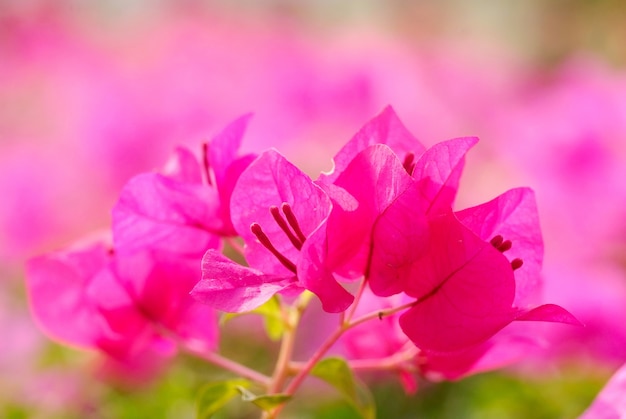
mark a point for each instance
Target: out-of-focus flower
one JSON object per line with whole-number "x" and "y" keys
{"x": 610, "y": 403}
{"x": 132, "y": 307}
{"x": 566, "y": 135}
{"x": 452, "y": 264}
{"x": 468, "y": 285}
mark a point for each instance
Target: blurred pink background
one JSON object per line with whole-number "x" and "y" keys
{"x": 92, "y": 93}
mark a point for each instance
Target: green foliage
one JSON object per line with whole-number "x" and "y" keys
{"x": 273, "y": 318}
{"x": 265, "y": 402}
{"x": 495, "y": 395}
{"x": 214, "y": 396}
{"x": 336, "y": 372}
{"x": 14, "y": 412}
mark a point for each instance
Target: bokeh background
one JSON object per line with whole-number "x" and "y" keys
{"x": 93, "y": 92}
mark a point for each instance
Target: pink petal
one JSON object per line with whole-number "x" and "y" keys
{"x": 137, "y": 368}
{"x": 439, "y": 169}
{"x": 157, "y": 281}
{"x": 399, "y": 239}
{"x": 223, "y": 148}
{"x": 513, "y": 215}
{"x": 271, "y": 181}
{"x": 496, "y": 352}
{"x": 610, "y": 403}
{"x": 400, "y": 233}
{"x": 385, "y": 128}
{"x": 317, "y": 278}
{"x": 125, "y": 330}
{"x": 230, "y": 287}
{"x": 226, "y": 187}
{"x": 156, "y": 212}
{"x": 372, "y": 181}
{"x": 56, "y": 286}
{"x": 464, "y": 289}
{"x": 160, "y": 283}
{"x": 195, "y": 324}
{"x": 550, "y": 313}
{"x": 183, "y": 166}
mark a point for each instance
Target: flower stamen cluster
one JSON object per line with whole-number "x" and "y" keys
{"x": 288, "y": 223}
{"x": 502, "y": 246}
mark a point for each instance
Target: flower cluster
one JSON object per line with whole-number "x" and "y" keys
{"x": 376, "y": 239}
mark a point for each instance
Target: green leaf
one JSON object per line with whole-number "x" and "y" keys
{"x": 336, "y": 372}
{"x": 272, "y": 316}
{"x": 266, "y": 401}
{"x": 274, "y": 322}
{"x": 213, "y": 396}
{"x": 364, "y": 402}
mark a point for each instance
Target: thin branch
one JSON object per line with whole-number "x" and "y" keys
{"x": 230, "y": 365}
{"x": 356, "y": 301}
{"x": 380, "y": 314}
{"x": 232, "y": 242}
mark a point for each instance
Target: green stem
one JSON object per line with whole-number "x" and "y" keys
{"x": 388, "y": 363}
{"x": 282, "y": 369}
{"x": 356, "y": 301}
{"x": 308, "y": 366}
{"x": 330, "y": 341}
{"x": 284, "y": 357}
{"x": 380, "y": 314}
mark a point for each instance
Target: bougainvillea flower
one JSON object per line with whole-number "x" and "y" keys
{"x": 462, "y": 280}
{"x": 369, "y": 231}
{"x": 464, "y": 289}
{"x": 186, "y": 209}
{"x": 383, "y": 188}
{"x": 122, "y": 304}
{"x": 159, "y": 284}
{"x": 281, "y": 214}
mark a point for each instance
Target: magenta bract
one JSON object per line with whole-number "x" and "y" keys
{"x": 123, "y": 304}
{"x": 386, "y": 128}
{"x": 231, "y": 287}
{"x": 187, "y": 208}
